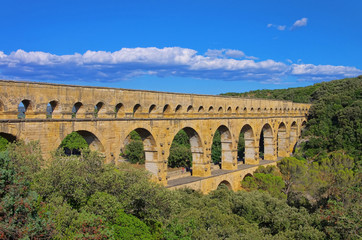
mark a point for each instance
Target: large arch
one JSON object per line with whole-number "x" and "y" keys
{"x": 226, "y": 148}
{"x": 225, "y": 183}
{"x": 293, "y": 136}
{"x": 150, "y": 149}
{"x": 282, "y": 142}
{"x": 248, "y": 152}
{"x": 196, "y": 151}
{"x": 266, "y": 137}
{"x": 70, "y": 140}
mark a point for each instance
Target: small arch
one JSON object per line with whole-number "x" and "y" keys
{"x": 220, "y": 110}
{"x": 98, "y": 108}
{"x": 24, "y": 107}
{"x": 152, "y": 109}
{"x": 252, "y": 109}
{"x": 259, "y": 110}
{"x": 271, "y": 110}
{"x": 178, "y": 108}
{"x": 190, "y": 109}
{"x": 77, "y": 107}
{"x": 225, "y": 183}
{"x": 229, "y": 110}
{"x": 245, "y": 109}
{"x": 201, "y": 109}
{"x": 137, "y": 110}
{"x": 166, "y": 109}
{"x": 119, "y": 110}
{"x": 211, "y": 109}
{"x": 237, "y": 110}
{"x": 282, "y": 143}
{"x": 51, "y": 106}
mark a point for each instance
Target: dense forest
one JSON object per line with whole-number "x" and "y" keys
{"x": 316, "y": 194}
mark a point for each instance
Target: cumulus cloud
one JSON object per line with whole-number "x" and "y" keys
{"x": 300, "y": 23}
{"x": 224, "y": 64}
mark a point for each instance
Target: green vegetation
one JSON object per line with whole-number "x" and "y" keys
{"x": 3, "y": 143}
{"x": 180, "y": 151}
{"x": 73, "y": 144}
{"x": 134, "y": 150}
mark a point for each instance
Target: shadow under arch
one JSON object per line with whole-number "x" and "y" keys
{"x": 246, "y": 146}
{"x": 8, "y": 136}
{"x": 266, "y": 145}
{"x": 150, "y": 149}
{"x": 282, "y": 143}
{"x": 225, "y": 183}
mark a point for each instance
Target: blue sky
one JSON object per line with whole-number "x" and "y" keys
{"x": 196, "y": 46}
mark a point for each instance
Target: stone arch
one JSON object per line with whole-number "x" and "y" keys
{"x": 247, "y": 175}
{"x": 211, "y": 109}
{"x": 25, "y": 106}
{"x": 282, "y": 143}
{"x": 150, "y": 148}
{"x": 201, "y": 109}
{"x": 190, "y": 109}
{"x": 237, "y": 110}
{"x": 99, "y": 109}
{"x": 229, "y": 110}
{"x": 248, "y": 152}
{"x": 251, "y": 109}
{"x": 225, "y": 183}
{"x": 245, "y": 110}
{"x": 226, "y": 147}
{"x": 51, "y": 108}
{"x": 166, "y": 109}
{"x": 196, "y": 151}
{"x": 293, "y": 136}
{"x": 178, "y": 108}
{"x": 220, "y": 110}
{"x": 92, "y": 140}
{"x": 152, "y": 109}
{"x": 119, "y": 110}
{"x": 137, "y": 109}
{"x": 8, "y": 136}
{"x": 266, "y": 141}
{"x": 78, "y": 110}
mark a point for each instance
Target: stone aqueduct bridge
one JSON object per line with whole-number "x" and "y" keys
{"x": 157, "y": 117}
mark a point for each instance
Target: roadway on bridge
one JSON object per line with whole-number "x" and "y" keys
{"x": 217, "y": 172}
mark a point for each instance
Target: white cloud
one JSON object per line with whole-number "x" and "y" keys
{"x": 300, "y": 23}
{"x": 224, "y": 64}
{"x": 279, "y": 27}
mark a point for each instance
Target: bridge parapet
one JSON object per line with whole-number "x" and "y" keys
{"x": 42, "y": 100}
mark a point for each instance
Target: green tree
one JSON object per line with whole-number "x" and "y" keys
{"x": 180, "y": 151}
{"x": 216, "y": 148}
{"x": 73, "y": 144}
{"x": 3, "y": 143}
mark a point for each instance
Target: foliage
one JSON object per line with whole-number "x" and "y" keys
{"x": 134, "y": 150}
{"x": 180, "y": 151}
{"x": 216, "y": 148}
{"x": 19, "y": 216}
{"x": 73, "y": 144}
{"x": 3, "y": 143}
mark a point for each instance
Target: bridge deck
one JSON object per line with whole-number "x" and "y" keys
{"x": 218, "y": 172}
